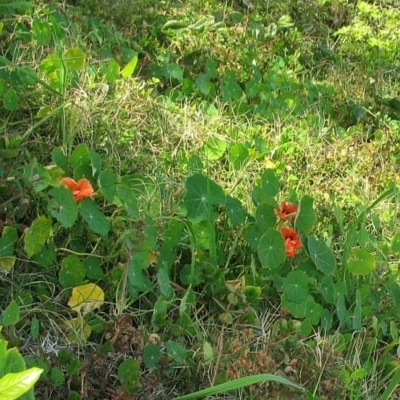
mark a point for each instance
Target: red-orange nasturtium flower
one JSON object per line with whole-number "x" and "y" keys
{"x": 81, "y": 189}
{"x": 292, "y": 241}
{"x": 287, "y": 211}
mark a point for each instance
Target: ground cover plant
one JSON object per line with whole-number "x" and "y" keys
{"x": 199, "y": 199}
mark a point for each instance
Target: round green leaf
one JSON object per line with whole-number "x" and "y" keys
{"x": 265, "y": 216}
{"x": 96, "y": 220}
{"x": 295, "y": 286}
{"x": 214, "y": 148}
{"x": 322, "y": 255}
{"x": 176, "y": 351}
{"x": 271, "y": 249}
{"x": 151, "y": 356}
{"x": 63, "y": 206}
{"x": 10, "y": 100}
{"x": 201, "y": 195}
{"x": 75, "y": 59}
{"x": 235, "y": 211}
{"x": 11, "y": 314}
{"x": 306, "y": 217}
{"x": 41, "y": 32}
{"x": 72, "y": 272}
{"x": 37, "y": 235}
{"x": 361, "y": 262}
{"x": 107, "y": 182}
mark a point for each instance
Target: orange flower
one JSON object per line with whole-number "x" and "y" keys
{"x": 81, "y": 189}
{"x": 292, "y": 241}
{"x": 287, "y": 211}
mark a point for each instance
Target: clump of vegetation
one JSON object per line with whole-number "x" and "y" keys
{"x": 199, "y": 200}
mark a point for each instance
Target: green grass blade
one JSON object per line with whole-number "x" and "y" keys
{"x": 237, "y": 384}
{"x": 387, "y": 394}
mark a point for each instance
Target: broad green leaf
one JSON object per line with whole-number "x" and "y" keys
{"x": 322, "y": 255}
{"x": 202, "y": 234}
{"x": 37, "y": 235}
{"x": 11, "y": 314}
{"x": 235, "y": 211}
{"x": 204, "y": 84}
{"x": 96, "y": 220}
{"x": 112, "y": 71}
{"x": 313, "y": 310}
{"x": 47, "y": 257}
{"x": 208, "y": 353}
{"x": 80, "y": 156}
{"x": 130, "y": 67}
{"x": 271, "y": 249}
{"x": 74, "y": 59}
{"x": 238, "y": 156}
{"x": 93, "y": 268}
{"x": 59, "y": 158}
{"x": 128, "y": 373}
{"x": 214, "y": 148}
{"x": 230, "y": 89}
{"x": 253, "y": 236}
{"x": 163, "y": 283}
{"x": 10, "y": 100}
{"x": 41, "y": 32}
{"x": 361, "y": 262}
{"x": 173, "y": 71}
{"x": 72, "y": 272}
{"x": 395, "y": 243}
{"x": 270, "y": 183}
{"x": 341, "y": 309}
{"x": 306, "y": 217}
{"x": 50, "y": 64}
{"x": 326, "y": 320}
{"x": 176, "y": 351}
{"x": 295, "y": 286}
{"x": 107, "y": 182}
{"x": 128, "y": 198}
{"x": 151, "y": 356}
{"x": 201, "y": 195}
{"x": 265, "y": 216}
{"x": 14, "y": 385}
{"x": 327, "y": 289}
{"x": 89, "y": 297}
{"x": 62, "y": 206}
{"x": 191, "y": 275}
{"x": 7, "y": 240}
{"x": 95, "y": 159}
{"x": 160, "y": 310}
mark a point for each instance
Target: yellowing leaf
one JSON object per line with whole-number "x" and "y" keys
{"x": 76, "y": 330}
{"x": 86, "y": 298}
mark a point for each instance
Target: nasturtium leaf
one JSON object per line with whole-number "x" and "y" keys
{"x": 326, "y": 320}
{"x": 201, "y": 195}
{"x": 238, "y": 156}
{"x": 176, "y": 351}
{"x": 60, "y": 159}
{"x": 72, "y": 272}
{"x": 230, "y": 89}
{"x": 37, "y": 235}
{"x": 10, "y": 99}
{"x": 235, "y": 211}
{"x": 295, "y": 286}
{"x": 191, "y": 275}
{"x": 77, "y": 330}
{"x": 298, "y": 310}
{"x": 41, "y": 32}
{"x": 138, "y": 262}
{"x": 306, "y": 217}
{"x": 128, "y": 198}
{"x": 151, "y": 356}
{"x": 214, "y": 148}
{"x": 75, "y": 59}
{"x": 112, "y": 71}
{"x": 253, "y": 236}
{"x": 173, "y": 71}
{"x": 163, "y": 283}
{"x": 107, "y": 182}
{"x": 96, "y": 163}
{"x": 7, "y": 240}
{"x": 86, "y": 298}
{"x": 62, "y": 206}
{"x": 208, "y": 353}
{"x": 128, "y": 373}
{"x": 327, "y": 289}
{"x": 265, "y": 216}
{"x": 11, "y": 314}
{"x": 271, "y": 249}
{"x": 202, "y": 233}
{"x": 203, "y": 84}
{"x": 16, "y": 384}
{"x": 361, "y": 262}
{"x": 341, "y": 309}
{"x": 322, "y": 255}
{"x": 305, "y": 329}
{"x": 160, "y": 310}
{"x": 46, "y": 257}
{"x": 96, "y": 220}
{"x": 93, "y": 268}
{"x": 313, "y": 310}
{"x": 252, "y": 295}
{"x": 129, "y": 68}
{"x": 80, "y": 156}
{"x": 270, "y": 183}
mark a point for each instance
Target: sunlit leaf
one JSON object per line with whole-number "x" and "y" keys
{"x": 214, "y": 148}
{"x": 14, "y": 385}
{"x": 361, "y": 262}
{"x": 86, "y": 298}
{"x": 41, "y": 32}
{"x": 306, "y": 217}
{"x": 130, "y": 67}
{"x": 37, "y": 235}
{"x": 62, "y": 206}
{"x": 75, "y": 59}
